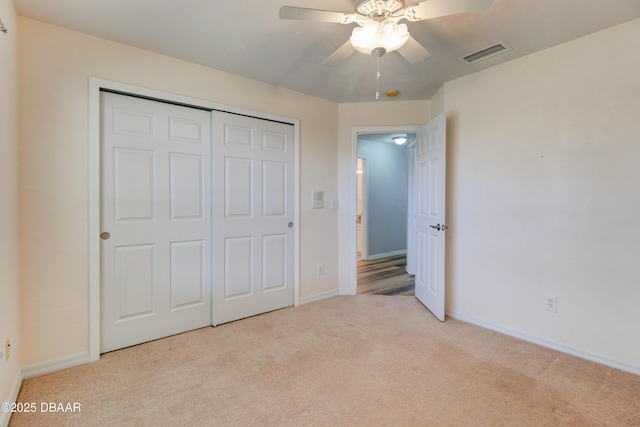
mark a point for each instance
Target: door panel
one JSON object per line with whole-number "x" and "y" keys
{"x": 187, "y": 187}
{"x": 430, "y": 216}
{"x": 238, "y": 267}
{"x": 252, "y": 213}
{"x": 155, "y": 202}
{"x": 133, "y": 171}
{"x": 238, "y": 187}
{"x": 274, "y": 189}
{"x": 134, "y": 281}
{"x": 187, "y": 279}
{"x": 274, "y": 262}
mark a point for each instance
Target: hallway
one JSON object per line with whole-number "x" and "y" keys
{"x": 385, "y": 276}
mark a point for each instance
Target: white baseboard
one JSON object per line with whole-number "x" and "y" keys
{"x": 318, "y": 297}
{"x": 13, "y": 397}
{"x": 385, "y": 255}
{"x": 581, "y": 353}
{"x": 54, "y": 365}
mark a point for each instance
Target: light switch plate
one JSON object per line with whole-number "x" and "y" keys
{"x": 317, "y": 199}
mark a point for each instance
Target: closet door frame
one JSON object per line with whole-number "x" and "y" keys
{"x": 95, "y": 86}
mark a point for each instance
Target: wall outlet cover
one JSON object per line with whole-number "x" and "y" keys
{"x": 551, "y": 303}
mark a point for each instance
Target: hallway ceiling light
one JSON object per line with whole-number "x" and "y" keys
{"x": 400, "y": 140}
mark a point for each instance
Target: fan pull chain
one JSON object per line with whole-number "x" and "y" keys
{"x": 378, "y": 79}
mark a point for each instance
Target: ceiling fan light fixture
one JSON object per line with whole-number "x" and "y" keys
{"x": 373, "y": 35}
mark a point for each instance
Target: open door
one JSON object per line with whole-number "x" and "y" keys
{"x": 430, "y": 214}
{"x": 361, "y": 206}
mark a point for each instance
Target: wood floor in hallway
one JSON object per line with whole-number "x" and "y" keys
{"x": 385, "y": 276}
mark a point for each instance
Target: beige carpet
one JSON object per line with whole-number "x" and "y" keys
{"x": 366, "y": 360}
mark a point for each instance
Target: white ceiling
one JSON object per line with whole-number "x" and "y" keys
{"x": 248, "y": 39}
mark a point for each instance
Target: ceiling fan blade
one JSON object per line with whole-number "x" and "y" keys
{"x": 428, "y": 9}
{"x": 413, "y": 51}
{"x": 301, "y": 13}
{"x": 343, "y": 52}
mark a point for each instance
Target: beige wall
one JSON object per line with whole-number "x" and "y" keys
{"x": 364, "y": 115}
{"x": 545, "y": 194}
{"x": 9, "y": 284}
{"x": 55, "y": 67}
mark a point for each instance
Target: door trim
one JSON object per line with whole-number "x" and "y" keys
{"x": 365, "y": 215}
{"x": 348, "y": 252}
{"x": 95, "y": 86}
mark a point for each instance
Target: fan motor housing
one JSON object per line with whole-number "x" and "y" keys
{"x": 378, "y": 8}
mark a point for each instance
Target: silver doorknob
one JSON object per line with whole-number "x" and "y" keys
{"x": 105, "y": 236}
{"x": 437, "y": 227}
{"x": 290, "y": 224}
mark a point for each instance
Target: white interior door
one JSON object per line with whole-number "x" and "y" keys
{"x": 155, "y": 220}
{"x": 252, "y": 216}
{"x": 361, "y": 208}
{"x": 430, "y": 215}
{"x": 411, "y": 208}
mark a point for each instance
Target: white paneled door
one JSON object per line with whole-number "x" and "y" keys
{"x": 155, "y": 220}
{"x": 430, "y": 215}
{"x": 252, "y": 216}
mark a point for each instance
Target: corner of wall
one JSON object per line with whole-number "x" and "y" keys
{"x": 437, "y": 102}
{"x": 5, "y": 417}
{"x": 10, "y": 373}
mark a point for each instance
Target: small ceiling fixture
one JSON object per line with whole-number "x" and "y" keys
{"x": 400, "y": 140}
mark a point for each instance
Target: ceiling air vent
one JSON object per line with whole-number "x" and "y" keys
{"x": 487, "y": 52}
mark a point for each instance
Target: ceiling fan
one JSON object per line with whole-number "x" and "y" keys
{"x": 378, "y": 31}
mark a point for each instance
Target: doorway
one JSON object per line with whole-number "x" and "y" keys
{"x": 382, "y": 213}
{"x": 428, "y": 179}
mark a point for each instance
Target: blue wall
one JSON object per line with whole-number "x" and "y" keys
{"x": 386, "y": 196}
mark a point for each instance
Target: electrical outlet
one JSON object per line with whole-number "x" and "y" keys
{"x": 7, "y": 349}
{"x": 320, "y": 269}
{"x": 551, "y": 303}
